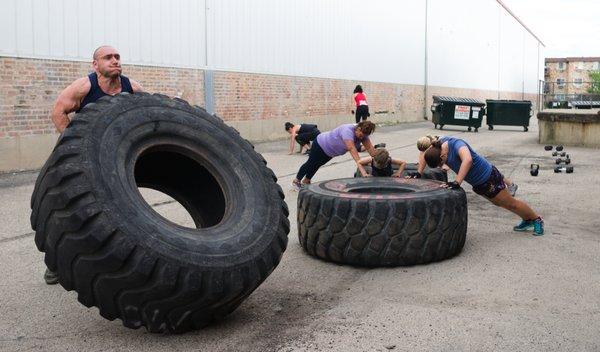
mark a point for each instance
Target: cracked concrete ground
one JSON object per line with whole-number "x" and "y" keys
{"x": 506, "y": 291}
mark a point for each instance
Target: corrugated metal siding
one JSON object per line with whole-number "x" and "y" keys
{"x": 471, "y": 44}
{"x": 511, "y": 54}
{"x": 337, "y": 38}
{"x": 463, "y": 44}
{"x": 150, "y": 32}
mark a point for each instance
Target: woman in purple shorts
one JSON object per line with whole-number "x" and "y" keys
{"x": 342, "y": 139}
{"x": 485, "y": 178}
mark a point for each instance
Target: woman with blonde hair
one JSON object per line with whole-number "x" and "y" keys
{"x": 423, "y": 143}
{"x": 485, "y": 178}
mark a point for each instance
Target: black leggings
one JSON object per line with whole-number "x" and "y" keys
{"x": 362, "y": 112}
{"x": 316, "y": 159}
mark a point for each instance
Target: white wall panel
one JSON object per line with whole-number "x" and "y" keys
{"x": 353, "y": 39}
{"x": 152, "y": 32}
{"x": 511, "y": 54}
{"x": 471, "y": 44}
{"x": 530, "y": 64}
{"x": 463, "y": 43}
{"x": 8, "y": 25}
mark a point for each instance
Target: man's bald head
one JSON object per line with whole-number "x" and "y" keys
{"x": 101, "y": 50}
{"x": 107, "y": 62}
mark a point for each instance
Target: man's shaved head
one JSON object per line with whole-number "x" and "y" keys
{"x": 107, "y": 62}
{"x": 99, "y": 49}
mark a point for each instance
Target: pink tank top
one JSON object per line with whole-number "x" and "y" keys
{"x": 360, "y": 99}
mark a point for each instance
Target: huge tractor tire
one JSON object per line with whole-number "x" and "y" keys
{"x": 382, "y": 221}
{"x": 111, "y": 247}
{"x": 428, "y": 174}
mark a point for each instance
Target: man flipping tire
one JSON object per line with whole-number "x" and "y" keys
{"x": 106, "y": 80}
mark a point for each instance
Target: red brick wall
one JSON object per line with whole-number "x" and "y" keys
{"x": 247, "y": 96}
{"x": 29, "y": 87}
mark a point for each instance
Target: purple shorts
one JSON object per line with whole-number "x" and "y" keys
{"x": 492, "y": 186}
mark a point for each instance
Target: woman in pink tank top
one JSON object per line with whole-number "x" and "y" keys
{"x": 360, "y": 100}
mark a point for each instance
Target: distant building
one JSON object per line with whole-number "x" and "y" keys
{"x": 569, "y": 76}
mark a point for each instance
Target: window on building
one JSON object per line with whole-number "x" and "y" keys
{"x": 561, "y": 66}
{"x": 580, "y": 66}
{"x": 578, "y": 82}
{"x": 560, "y": 83}
{"x": 596, "y": 66}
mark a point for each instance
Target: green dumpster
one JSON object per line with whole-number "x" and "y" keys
{"x": 457, "y": 111}
{"x": 508, "y": 113}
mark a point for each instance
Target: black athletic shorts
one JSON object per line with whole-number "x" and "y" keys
{"x": 492, "y": 186}
{"x": 307, "y": 133}
{"x": 362, "y": 112}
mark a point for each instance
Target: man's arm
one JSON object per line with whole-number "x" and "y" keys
{"x": 136, "y": 86}
{"x": 68, "y": 101}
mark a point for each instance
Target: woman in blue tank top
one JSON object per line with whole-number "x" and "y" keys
{"x": 485, "y": 178}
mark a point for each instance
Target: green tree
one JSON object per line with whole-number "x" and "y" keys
{"x": 594, "y": 82}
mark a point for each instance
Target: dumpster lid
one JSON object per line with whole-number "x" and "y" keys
{"x": 509, "y": 101}
{"x": 437, "y": 99}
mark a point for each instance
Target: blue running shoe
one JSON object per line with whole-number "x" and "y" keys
{"x": 525, "y": 225}
{"x": 538, "y": 226}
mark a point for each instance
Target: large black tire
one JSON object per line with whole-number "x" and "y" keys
{"x": 428, "y": 174}
{"x": 117, "y": 253}
{"x": 382, "y": 221}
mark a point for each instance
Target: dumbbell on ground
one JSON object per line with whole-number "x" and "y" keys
{"x": 567, "y": 160}
{"x": 548, "y": 147}
{"x": 534, "y": 169}
{"x": 559, "y": 154}
{"x": 568, "y": 169}
{"x": 559, "y": 148}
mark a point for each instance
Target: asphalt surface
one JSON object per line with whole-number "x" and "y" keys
{"x": 506, "y": 291}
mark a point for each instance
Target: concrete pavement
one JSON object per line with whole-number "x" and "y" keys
{"x": 506, "y": 291}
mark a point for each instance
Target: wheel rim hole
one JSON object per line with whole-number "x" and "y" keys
{"x": 167, "y": 207}
{"x": 179, "y": 188}
{"x": 380, "y": 190}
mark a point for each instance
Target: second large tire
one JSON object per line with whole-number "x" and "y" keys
{"x": 381, "y": 221}
{"x": 111, "y": 247}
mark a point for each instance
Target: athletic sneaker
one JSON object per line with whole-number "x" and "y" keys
{"x": 50, "y": 277}
{"x": 538, "y": 226}
{"x": 295, "y": 186}
{"x": 525, "y": 225}
{"x": 512, "y": 189}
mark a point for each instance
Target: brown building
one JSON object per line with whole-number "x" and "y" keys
{"x": 568, "y": 77}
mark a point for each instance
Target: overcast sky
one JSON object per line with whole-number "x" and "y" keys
{"x": 566, "y": 27}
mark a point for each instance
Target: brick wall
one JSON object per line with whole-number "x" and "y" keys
{"x": 29, "y": 87}
{"x": 247, "y": 96}
{"x": 256, "y": 104}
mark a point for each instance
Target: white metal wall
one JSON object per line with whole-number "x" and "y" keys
{"x": 149, "y": 32}
{"x": 353, "y": 39}
{"x": 473, "y": 44}
{"x": 463, "y": 43}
